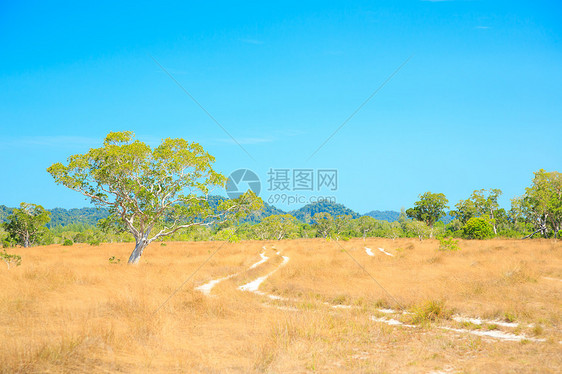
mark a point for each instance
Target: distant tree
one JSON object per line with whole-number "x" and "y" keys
{"x": 478, "y": 228}
{"x": 418, "y": 229}
{"x": 323, "y": 223}
{"x": 164, "y": 189}
{"x": 365, "y": 225}
{"x": 395, "y": 230}
{"x": 466, "y": 209}
{"x": 429, "y": 208}
{"x": 26, "y": 224}
{"x": 342, "y": 223}
{"x": 482, "y": 203}
{"x": 542, "y": 202}
{"x": 278, "y": 227}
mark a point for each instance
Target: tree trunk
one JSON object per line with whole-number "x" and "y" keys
{"x": 137, "y": 252}
{"x": 26, "y": 240}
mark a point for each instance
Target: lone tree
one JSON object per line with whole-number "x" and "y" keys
{"x": 543, "y": 202}
{"x": 26, "y": 224}
{"x": 482, "y": 203}
{"x": 151, "y": 191}
{"x": 323, "y": 223}
{"x": 429, "y": 208}
{"x": 277, "y": 227}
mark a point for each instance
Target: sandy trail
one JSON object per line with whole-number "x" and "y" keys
{"x": 254, "y": 285}
{"x": 478, "y": 321}
{"x": 385, "y": 252}
{"x": 496, "y": 334}
{"x": 208, "y": 287}
{"x": 370, "y": 252}
{"x": 264, "y": 258}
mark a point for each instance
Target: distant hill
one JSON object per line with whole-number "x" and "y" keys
{"x": 308, "y": 211}
{"x": 386, "y": 215}
{"x": 268, "y": 209}
{"x": 447, "y": 218}
{"x": 4, "y": 212}
{"x": 90, "y": 216}
{"x": 87, "y": 216}
{"x": 64, "y": 217}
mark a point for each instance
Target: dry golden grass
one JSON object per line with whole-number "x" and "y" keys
{"x": 68, "y": 309}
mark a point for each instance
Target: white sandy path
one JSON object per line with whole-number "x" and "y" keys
{"x": 553, "y": 279}
{"x": 478, "y": 321}
{"x": 386, "y": 253}
{"x": 370, "y": 252}
{"x": 254, "y": 285}
{"x": 495, "y": 334}
{"x": 264, "y": 258}
{"x": 207, "y": 287}
{"x": 500, "y": 335}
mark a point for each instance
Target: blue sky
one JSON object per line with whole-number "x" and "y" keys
{"x": 477, "y": 105}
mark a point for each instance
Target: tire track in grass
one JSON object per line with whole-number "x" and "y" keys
{"x": 254, "y": 285}
{"x": 370, "y": 252}
{"x": 499, "y": 335}
{"x": 208, "y": 287}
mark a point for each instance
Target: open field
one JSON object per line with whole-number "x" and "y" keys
{"x": 306, "y": 305}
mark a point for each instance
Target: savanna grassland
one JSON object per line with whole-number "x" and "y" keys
{"x": 492, "y": 306}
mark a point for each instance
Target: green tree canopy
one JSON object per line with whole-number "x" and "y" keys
{"x": 429, "y": 208}
{"x": 323, "y": 223}
{"x": 277, "y": 227}
{"x": 542, "y": 202}
{"x": 151, "y": 193}
{"x": 26, "y": 224}
{"x": 478, "y": 228}
{"x": 482, "y": 203}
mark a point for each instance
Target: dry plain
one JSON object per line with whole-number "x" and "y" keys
{"x": 292, "y": 306}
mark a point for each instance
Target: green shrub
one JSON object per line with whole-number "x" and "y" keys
{"x": 67, "y": 242}
{"x": 113, "y": 260}
{"x": 430, "y": 311}
{"x": 95, "y": 242}
{"x": 448, "y": 244}
{"x": 10, "y": 259}
{"x": 8, "y": 243}
{"x": 478, "y": 228}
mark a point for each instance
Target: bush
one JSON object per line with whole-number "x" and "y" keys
{"x": 9, "y": 259}
{"x": 478, "y": 228}
{"x": 95, "y": 242}
{"x": 448, "y": 244}
{"x": 67, "y": 242}
{"x": 430, "y": 311}
{"x": 8, "y": 243}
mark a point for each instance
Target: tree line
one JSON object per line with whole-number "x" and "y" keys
{"x": 538, "y": 212}
{"x": 163, "y": 193}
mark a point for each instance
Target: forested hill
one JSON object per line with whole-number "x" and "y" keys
{"x": 386, "y": 215}
{"x": 4, "y": 212}
{"x": 308, "y": 211}
{"x": 90, "y": 216}
{"x": 64, "y": 217}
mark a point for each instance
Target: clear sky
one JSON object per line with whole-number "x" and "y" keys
{"x": 478, "y": 104}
